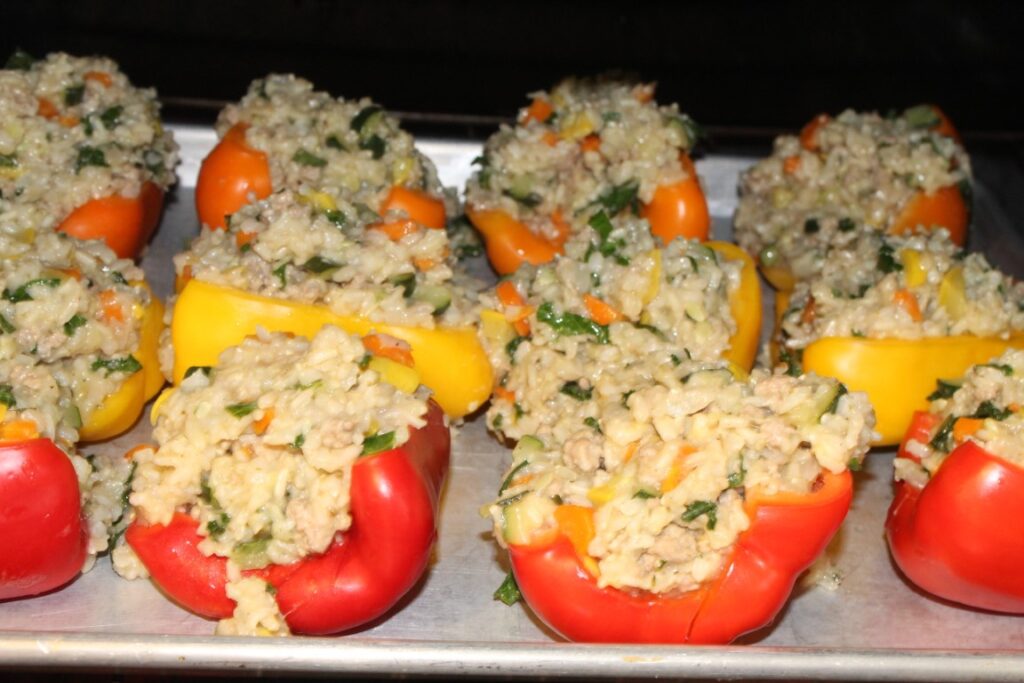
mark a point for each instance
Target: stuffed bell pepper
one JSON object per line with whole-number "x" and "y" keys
{"x": 956, "y": 525}
{"x": 558, "y": 332}
{"x": 587, "y": 146}
{"x": 292, "y": 488}
{"x": 846, "y": 175}
{"x": 287, "y": 264}
{"x": 285, "y": 135}
{"x": 77, "y": 361}
{"x": 890, "y": 315}
{"x": 685, "y": 502}
{"x": 82, "y": 152}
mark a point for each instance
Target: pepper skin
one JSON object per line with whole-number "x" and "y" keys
{"x": 120, "y": 410}
{"x": 209, "y": 318}
{"x": 745, "y": 305}
{"x": 43, "y": 537}
{"x": 898, "y": 374}
{"x": 230, "y": 173}
{"x": 961, "y": 536}
{"x": 787, "y": 532}
{"x": 677, "y": 210}
{"x": 362, "y": 575}
{"x": 124, "y": 223}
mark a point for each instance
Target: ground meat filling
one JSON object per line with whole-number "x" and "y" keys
{"x": 859, "y": 174}
{"x": 984, "y": 406}
{"x": 73, "y": 129}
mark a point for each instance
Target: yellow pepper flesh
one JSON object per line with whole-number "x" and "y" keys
{"x": 121, "y": 409}
{"x": 745, "y": 305}
{"x": 209, "y": 318}
{"x": 899, "y": 374}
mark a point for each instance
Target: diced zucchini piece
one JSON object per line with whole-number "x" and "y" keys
{"x": 436, "y": 295}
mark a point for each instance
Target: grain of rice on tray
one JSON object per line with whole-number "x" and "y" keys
{"x": 860, "y": 174}
{"x": 552, "y": 166}
{"x": 655, "y": 306}
{"x": 260, "y": 450}
{"x": 665, "y": 467}
{"x": 905, "y": 287}
{"x": 70, "y": 317}
{"x": 73, "y": 129}
{"x": 287, "y": 248}
{"x": 983, "y": 406}
{"x": 349, "y": 150}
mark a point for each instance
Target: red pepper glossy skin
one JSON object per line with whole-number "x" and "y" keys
{"x": 787, "y": 532}
{"x": 42, "y": 535}
{"x": 368, "y": 568}
{"x": 961, "y": 537}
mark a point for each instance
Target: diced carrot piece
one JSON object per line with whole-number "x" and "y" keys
{"x": 130, "y": 454}
{"x": 396, "y": 230}
{"x": 260, "y": 425}
{"x": 111, "y": 306}
{"x": 906, "y": 300}
{"x": 505, "y": 394}
{"x": 423, "y": 263}
{"x": 600, "y": 312}
{"x": 539, "y": 110}
{"x": 72, "y": 272}
{"x": 643, "y": 93}
{"x": 591, "y": 143}
{"x": 576, "y": 523}
{"x": 101, "y": 77}
{"x": 561, "y": 227}
{"x": 550, "y": 139}
{"x": 791, "y": 164}
{"x": 508, "y": 294}
{"x": 47, "y": 109}
{"x": 965, "y": 427}
{"x": 630, "y": 452}
{"x": 18, "y": 430}
{"x": 809, "y": 133}
{"x": 519, "y": 481}
{"x": 421, "y": 207}
{"x": 677, "y": 471}
{"x": 807, "y": 315}
{"x": 244, "y": 238}
{"x": 69, "y": 121}
{"x": 389, "y": 347}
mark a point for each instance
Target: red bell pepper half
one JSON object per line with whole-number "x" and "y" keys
{"x": 43, "y": 537}
{"x": 787, "y": 532}
{"x": 367, "y": 569}
{"x": 961, "y": 536}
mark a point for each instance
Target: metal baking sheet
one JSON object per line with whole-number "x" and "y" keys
{"x": 874, "y": 626}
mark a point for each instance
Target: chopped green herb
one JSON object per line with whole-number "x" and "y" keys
{"x": 337, "y": 217}
{"x": 619, "y": 197}
{"x": 737, "y": 478}
{"x": 73, "y": 323}
{"x": 518, "y": 410}
{"x": 602, "y": 225}
{"x": 567, "y": 324}
{"x": 702, "y": 507}
{"x": 360, "y": 120}
{"x": 988, "y": 409}
{"x": 922, "y": 116}
{"x": 512, "y": 345}
{"x": 205, "y": 369}
{"x": 375, "y": 443}
{"x": 497, "y": 423}
{"x": 846, "y": 225}
{"x": 281, "y": 275}
{"x": 887, "y": 262}
{"x": 407, "y": 281}
{"x": 942, "y": 439}
{"x": 610, "y": 116}
{"x": 593, "y": 423}
{"x": 693, "y": 130}
{"x": 271, "y": 589}
{"x": 8, "y": 161}
{"x": 7, "y": 395}
{"x": 6, "y": 326}
{"x": 1005, "y": 369}
{"x": 127, "y": 364}
{"x": 967, "y": 193}
{"x": 218, "y": 525}
{"x": 245, "y": 248}
{"x": 89, "y": 156}
{"x": 22, "y": 294}
{"x": 20, "y": 61}
{"x": 240, "y": 410}
{"x": 117, "y": 277}
{"x": 943, "y": 389}
{"x": 793, "y": 360}
{"x": 652, "y": 329}
{"x": 855, "y": 464}
{"x": 375, "y": 144}
{"x": 334, "y": 142}
{"x": 364, "y": 362}
{"x": 154, "y": 161}
{"x": 465, "y": 251}
{"x": 299, "y": 441}
{"x": 319, "y": 265}
{"x": 74, "y": 94}
{"x": 812, "y": 226}
{"x": 508, "y": 591}
{"x": 307, "y": 158}
{"x": 676, "y": 360}
{"x": 625, "y": 398}
{"x": 834, "y": 403}
{"x": 573, "y": 389}
{"x": 644, "y": 494}
{"x": 512, "y": 475}
{"x": 111, "y": 116}
{"x": 527, "y": 199}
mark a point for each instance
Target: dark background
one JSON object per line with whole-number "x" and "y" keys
{"x": 744, "y": 68}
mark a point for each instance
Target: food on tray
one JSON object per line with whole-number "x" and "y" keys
{"x": 287, "y": 263}
{"x": 843, "y": 176}
{"x": 82, "y": 151}
{"x": 283, "y": 134}
{"x": 891, "y": 314}
{"x": 292, "y": 487}
{"x": 956, "y": 526}
{"x": 685, "y": 505}
{"x": 588, "y": 147}
{"x": 78, "y": 335}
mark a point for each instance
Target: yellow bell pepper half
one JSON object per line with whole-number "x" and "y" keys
{"x": 121, "y": 409}
{"x": 745, "y": 304}
{"x": 209, "y": 318}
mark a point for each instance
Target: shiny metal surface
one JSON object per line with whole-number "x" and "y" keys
{"x": 872, "y": 627}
